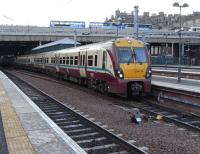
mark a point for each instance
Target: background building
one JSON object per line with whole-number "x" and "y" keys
{"x": 159, "y": 21}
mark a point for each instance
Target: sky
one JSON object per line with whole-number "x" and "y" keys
{"x": 40, "y": 12}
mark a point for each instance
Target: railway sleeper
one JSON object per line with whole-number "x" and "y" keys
{"x": 81, "y": 132}
{"x": 109, "y": 148}
{"x": 85, "y": 142}
{"x": 89, "y": 143}
{"x": 75, "y": 127}
{"x": 78, "y": 130}
{"x": 89, "y": 136}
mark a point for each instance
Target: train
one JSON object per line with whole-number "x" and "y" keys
{"x": 67, "y": 24}
{"x": 101, "y": 25}
{"x": 121, "y": 66}
{"x": 115, "y": 25}
{"x": 194, "y": 29}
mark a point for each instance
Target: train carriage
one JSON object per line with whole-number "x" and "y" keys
{"x": 120, "y": 66}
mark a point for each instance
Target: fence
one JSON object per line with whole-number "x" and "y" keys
{"x": 169, "y": 60}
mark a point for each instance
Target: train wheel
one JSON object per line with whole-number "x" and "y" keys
{"x": 80, "y": 81}
{"x": 89, "y": 84}
{"x": 101, "y": 88}
{"x": 104, "y": 88}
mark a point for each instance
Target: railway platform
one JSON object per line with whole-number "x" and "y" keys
{"x": 25, "y": 129}
{"x": 193, "y": 70}
{"x": 189, "y": 85}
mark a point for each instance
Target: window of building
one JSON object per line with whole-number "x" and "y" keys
{"x": 60, "y": 60}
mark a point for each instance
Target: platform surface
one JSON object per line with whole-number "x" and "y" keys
{"x": 172, "y": 82}
{"x": 27, "y": 129}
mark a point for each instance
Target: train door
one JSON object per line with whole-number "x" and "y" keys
{"x": 57, "y": 62}
{"x": 43, "y": 61}
{"x": 104, "y": 62}
{"x": 83, "y": 63}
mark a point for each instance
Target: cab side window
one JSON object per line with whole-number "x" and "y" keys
{"x": 104, "y": 60}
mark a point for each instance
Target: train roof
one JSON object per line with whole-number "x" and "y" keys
{"x": 56, "y": 45}
{"x": 105, "y": 45}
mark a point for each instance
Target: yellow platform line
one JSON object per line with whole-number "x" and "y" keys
{"x": 16, "y": 138}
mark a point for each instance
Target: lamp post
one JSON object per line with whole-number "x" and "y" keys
{"x": 75, "y": 37}
{"x": 119, "y": 25}
{"x": 166, "y": 50}
{"x": 136, "y": 21}
{"x": 180, "y": 44}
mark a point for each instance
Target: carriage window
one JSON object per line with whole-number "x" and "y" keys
{"x": 63, "y": 60}
{"x": 76, "y": 60}
{"x": 67, "y": 60}
{"x": 104, "y": 60}
{"x": 95, "y": 60}
{"x": 71, "y": 60}
{"x": 90, "y": 60}
{"x": 83, "y": 60}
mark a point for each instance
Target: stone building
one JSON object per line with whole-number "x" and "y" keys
{"x": 160, "y": 20}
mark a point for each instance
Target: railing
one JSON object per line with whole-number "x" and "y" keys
{"x": 33, "y": 30}
{"x": 169, "y": 60}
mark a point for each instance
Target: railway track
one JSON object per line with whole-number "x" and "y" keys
{"x": 188, "y": 120}
{"x": 177, "y": 97}
{"x": 184, "y": 119}
{"x": 90, "y": 136}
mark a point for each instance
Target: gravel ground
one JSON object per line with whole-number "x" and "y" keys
{"x": 154, "y": 136}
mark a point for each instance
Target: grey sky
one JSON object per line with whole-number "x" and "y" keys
{"x": 40, "y": 12}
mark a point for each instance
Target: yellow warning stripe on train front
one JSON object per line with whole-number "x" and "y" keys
{"x": 128, "y": 43}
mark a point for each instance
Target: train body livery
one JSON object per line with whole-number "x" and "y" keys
{"x": 120, "y": 66}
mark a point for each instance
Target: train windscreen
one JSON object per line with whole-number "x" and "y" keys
{"x": 131, "y": 55}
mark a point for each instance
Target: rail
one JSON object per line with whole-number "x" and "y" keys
{"x": 90, "y": 136}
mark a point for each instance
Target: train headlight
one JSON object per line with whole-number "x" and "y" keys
{"x": 149, "y": 72}
{"x": 121, "y": 76}
{"x": 120, "y": 73}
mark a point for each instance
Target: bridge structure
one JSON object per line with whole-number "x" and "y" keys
{"x": 21, "y": 39}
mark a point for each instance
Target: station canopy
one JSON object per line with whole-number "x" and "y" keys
{"x": 56, "y": 45}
